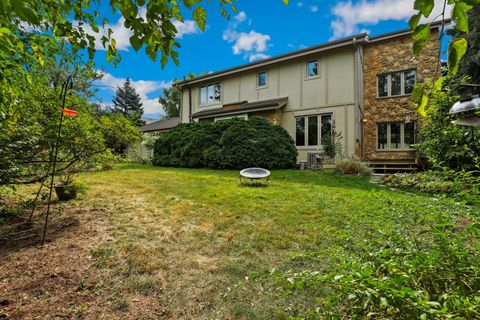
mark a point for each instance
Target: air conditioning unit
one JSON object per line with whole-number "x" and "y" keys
{"x": 312, "y": 160}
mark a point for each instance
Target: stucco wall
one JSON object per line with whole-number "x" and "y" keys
{"x": 332, "y": 91}
{"x": 385, "y": 57}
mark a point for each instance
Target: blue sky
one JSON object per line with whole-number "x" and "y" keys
{"x": 261, "y": 29}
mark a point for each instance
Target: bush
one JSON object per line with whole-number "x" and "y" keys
{"x": 406, "y": 279}
{"x": 232, "y": 144}
{"x": 464, "y": 186}
{"x": 353, "y": 165}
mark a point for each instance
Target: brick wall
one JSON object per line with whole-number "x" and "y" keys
{"x": 384, "y": 57}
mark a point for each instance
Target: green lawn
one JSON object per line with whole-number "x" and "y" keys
{"x": 187, "y": 238}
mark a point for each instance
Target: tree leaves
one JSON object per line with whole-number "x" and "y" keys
{"x": 456, "y": 51}
{"x": 460, "y": 16}
{"x": 424, "y": 7}
{"x": 200, "y": 16}
{"x": 421, "y": 35}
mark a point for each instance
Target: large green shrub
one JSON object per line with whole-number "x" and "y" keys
{"x": 232, "y": 144}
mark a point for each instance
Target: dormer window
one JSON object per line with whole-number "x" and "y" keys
{"x": 211, "y": 94}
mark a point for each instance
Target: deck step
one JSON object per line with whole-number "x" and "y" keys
{"x": 385, "y": 166}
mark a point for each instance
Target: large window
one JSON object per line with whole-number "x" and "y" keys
{"x": 312, "y": 68}
{"x": 210, "y": 94}
{"x": 262, "y": 79}
{"x": 312, "y": 130}
{"x": 396, "y": 84}
{"x": 395, "y": 135}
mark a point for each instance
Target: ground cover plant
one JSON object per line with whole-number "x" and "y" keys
{"x": 176, "y": 243}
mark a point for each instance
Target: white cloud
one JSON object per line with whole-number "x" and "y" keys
{"x": 314, "y": 8}
{"x": 350, "y": 15}
{"x": 252, "y": 45}
{"x": 241, "y": 16}
{"x": 143, "y": 87}
{"x": 257, "y": 56}
{"x": 122, "y": 35}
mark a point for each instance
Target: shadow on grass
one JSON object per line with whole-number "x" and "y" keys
{"x": 20, "y": 235}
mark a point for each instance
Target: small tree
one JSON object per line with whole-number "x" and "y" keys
{"x": 127, "y": 102}
{"x": 170, "y": 100}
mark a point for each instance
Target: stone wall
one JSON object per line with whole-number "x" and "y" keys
{"x": 384, "y": 57}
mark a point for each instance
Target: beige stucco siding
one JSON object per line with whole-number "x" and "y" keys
{"x": 332, "y": 91}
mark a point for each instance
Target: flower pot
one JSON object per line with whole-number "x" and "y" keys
{"x": 65, "y": 193}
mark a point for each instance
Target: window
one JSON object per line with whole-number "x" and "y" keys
{"x": 396, "y": 84}
{"x": 312, "y": 68}
{"x": 311, "y": 130}
{"x": 395, "y": 135}
{"x": 262, "y": 79}
{"x": 210, "y": 94}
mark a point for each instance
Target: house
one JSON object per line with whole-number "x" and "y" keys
{"x": 151, "y": 129}
{"x": 359, "y": 86}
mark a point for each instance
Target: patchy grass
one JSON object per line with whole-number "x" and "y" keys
{"x": 189, "y": 236}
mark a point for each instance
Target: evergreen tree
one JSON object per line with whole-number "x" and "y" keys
{"x": 127, "y": 102}
{"x": 470, "y": 63}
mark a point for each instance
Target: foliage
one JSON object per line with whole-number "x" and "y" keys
{"x": 25, "y": 146}
{"x": 431, "y": 276}
{"x": 332, "y": 145}
{"x": 353, "y": 165}
{"x": 421, "y": 32}
{"x": 128, "y": 103}
{"x": 462, "y": 185}
{"x": 231, "y": 144}
{"x": 119, "y": 131}
{"x": 442, "y": 143}
{"x": 170, "y": 100}
{"x": 470, "y": 64}
{"x": 36, "y": 33}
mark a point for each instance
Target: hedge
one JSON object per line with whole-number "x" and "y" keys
{"x": 231, "y": 144}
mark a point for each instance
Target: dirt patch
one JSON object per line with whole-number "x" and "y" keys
{"x": 57, "y": 281}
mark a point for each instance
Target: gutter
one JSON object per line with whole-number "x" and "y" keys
{"x": 288, "y": 56}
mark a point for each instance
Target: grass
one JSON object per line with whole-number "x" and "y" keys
{"x": 189, "y": 236}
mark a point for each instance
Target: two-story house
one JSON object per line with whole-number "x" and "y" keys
{"x": 358, "y": 86}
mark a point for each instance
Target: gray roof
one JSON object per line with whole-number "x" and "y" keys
{"x": 161, "y": 125}
{"x": 244, "y": 107}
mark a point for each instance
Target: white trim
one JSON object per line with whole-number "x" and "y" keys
{"x": 389, "y": 83}
{"x": 258, "y": 79}
{"x": 200, "y": 104}
{"x": 389, "y": 137}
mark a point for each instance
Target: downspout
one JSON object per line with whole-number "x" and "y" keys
{"x": 189, "y": 105}
{"x": 359, "y": 94}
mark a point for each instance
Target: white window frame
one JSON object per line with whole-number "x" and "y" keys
{"x": 403, "y": 147}
{"x": 307, "y": 76}
{"x": 319, "y": 129}
{"x": 207, "y": 86}
{"x": 266, "y": 79}
{"x": 389, "y": 83}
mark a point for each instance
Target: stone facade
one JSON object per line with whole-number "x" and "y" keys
{"x": 392, "y": 55}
